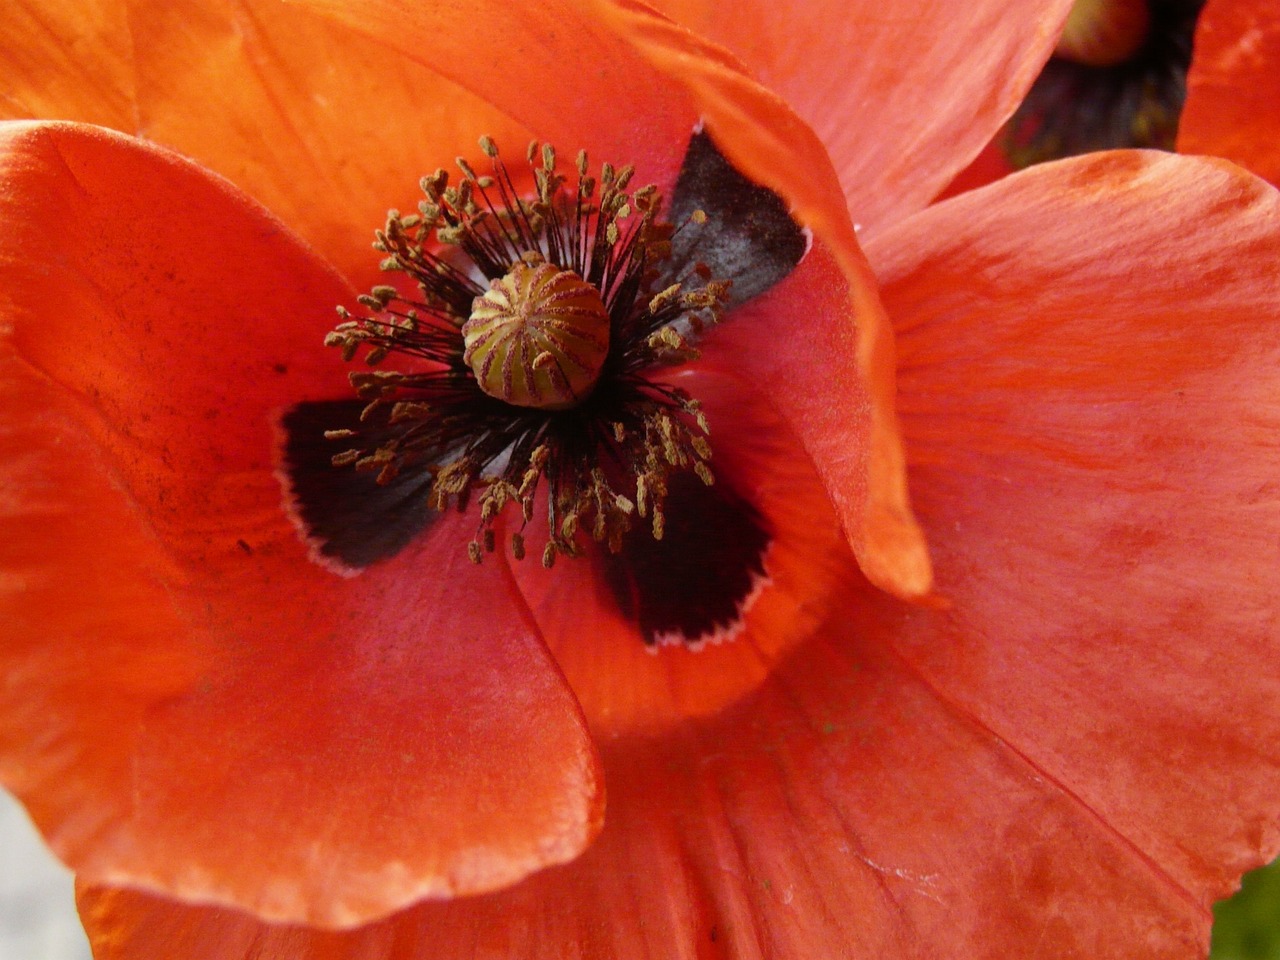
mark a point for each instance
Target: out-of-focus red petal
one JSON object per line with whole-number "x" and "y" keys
{"x": 550, "y": 65}
{"x": 825, "y": 356}
{"x": 624, "y": 687}
{"x": 988, "y": 167}
{"x": 71, "y": 60}
{"x": 1089, "y": 355}
{"x": 191, "y": 706}
{"x": 1233, "y": 87}
{"x": 322, "y": 126}
{"x": 843, "y": 810}
{"x": 903, "y": 101}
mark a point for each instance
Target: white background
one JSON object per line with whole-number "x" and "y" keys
{"x": 37, "y": 905}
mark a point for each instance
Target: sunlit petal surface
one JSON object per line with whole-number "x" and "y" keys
{"x": 1068, "y": 749}
{"x": 902, "y": 98}
{"x": 194, "y": 673}
{"x": 308, "y": 117}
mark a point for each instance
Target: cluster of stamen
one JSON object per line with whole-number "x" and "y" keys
{"x": 527, "y": 329}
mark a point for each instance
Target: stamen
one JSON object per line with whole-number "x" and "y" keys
{"x": 532, "y": 330}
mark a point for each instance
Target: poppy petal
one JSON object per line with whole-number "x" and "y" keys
{"x": 191, "y": 705}
{"x": 902, "y": 103}
{"x": 989, "y": 166}
{"x": 777, "y": 497}
{"x": 550, "y": 66}
{"x": 68, "y": 60}
{"x": 1088, "y": 386}
{"x": 842, "y": 408}
{"x": 1233, "y": 88}
{"x": 311, "y": 120}
{"x": 841, "y": 811}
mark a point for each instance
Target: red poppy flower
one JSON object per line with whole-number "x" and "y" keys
{"x": 1069, "y": 750}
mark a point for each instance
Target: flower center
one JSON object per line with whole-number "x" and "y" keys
{"x": 1103, "y": 33}
{"x": 538, "y": 337}
{"x": 540, "y": 388}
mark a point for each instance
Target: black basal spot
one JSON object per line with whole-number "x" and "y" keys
{"x": 693, "y": 584}
{"x": 348, "y": 516}
{"x": 749, "y": 237}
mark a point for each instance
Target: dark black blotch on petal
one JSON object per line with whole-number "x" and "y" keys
{"x": 693, "y": 581}
{"x": 749, "y": 236}
{"x": 351, "y": 518}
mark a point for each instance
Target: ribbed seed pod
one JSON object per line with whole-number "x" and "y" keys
{"x": 538, "y": 338}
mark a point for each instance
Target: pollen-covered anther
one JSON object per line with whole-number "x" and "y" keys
{"x": 538, "y": 337}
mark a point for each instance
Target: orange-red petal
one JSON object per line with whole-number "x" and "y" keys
{"x": 319, "y": 124}
{"x": 192, "y": 706}
{"x": 988, "y": 167}
{"x": 1075, "y": 756}
{"x": 841, "y": 811}
{"x": 551, "y": 65}
{"x": 1233, "y": 88}
{"x": 71, "y": 60}
{"x": 902, "y": 102}
{"x": 826, "y": 356}
{"x": 1089, "y": 356}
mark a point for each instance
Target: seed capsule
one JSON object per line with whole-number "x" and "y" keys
{"x": 538, "y": 338}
